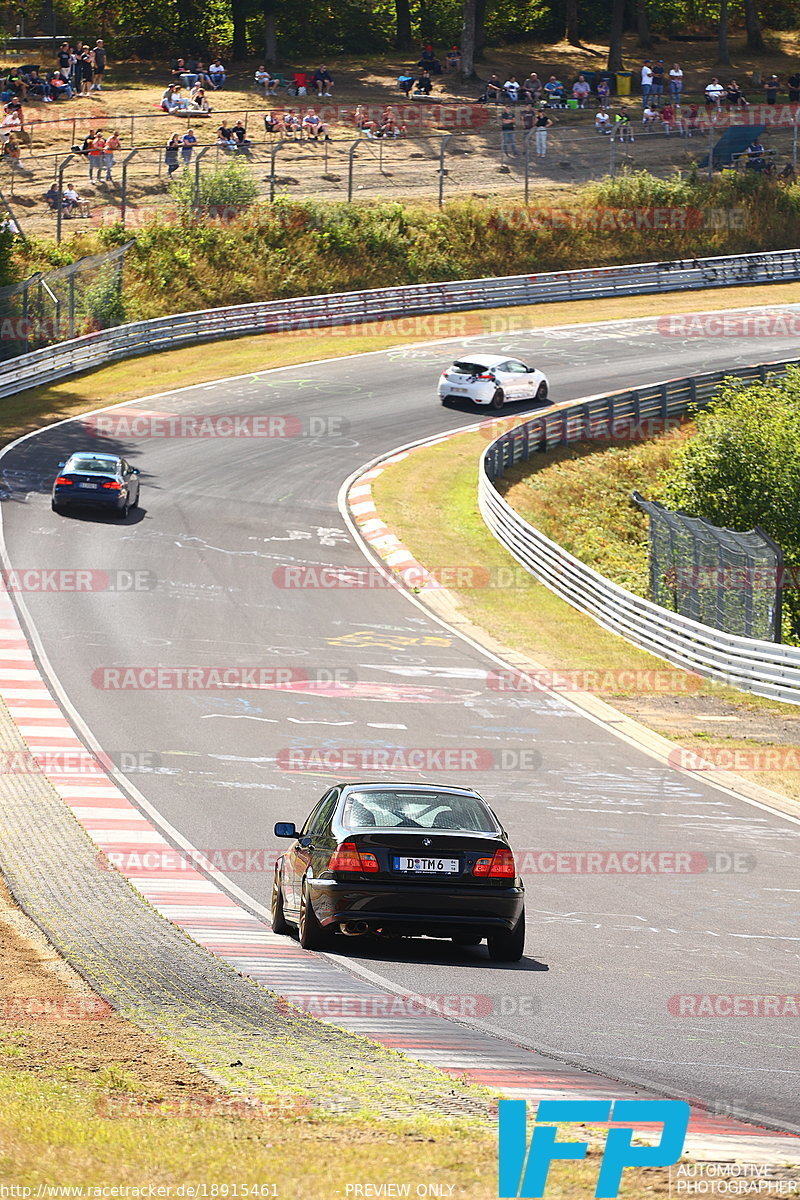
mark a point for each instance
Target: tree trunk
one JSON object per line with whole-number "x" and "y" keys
{"x": 239, "y": 48}
{"x": 270, "y": 39}
{"x": 615, "y": 42}
{"x": 468, "y": 40}
{"x": 571, "y": 30}
{"x": 643, "y": 26}
{"x": 480, "y": 28}
{"x": 755, "y": 40}
{"x": 723, "y": 53}
{"x": 402, "y": 38}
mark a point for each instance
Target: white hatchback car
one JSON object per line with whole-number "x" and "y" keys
{"x": 491, "y": 379}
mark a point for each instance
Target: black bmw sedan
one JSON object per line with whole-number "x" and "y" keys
{"x": 400, "y": 859}
{"x": 99, "y": 480}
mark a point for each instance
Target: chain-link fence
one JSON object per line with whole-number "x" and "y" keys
{"x": 728, "y": 580}
{"x": 61, "y": 304}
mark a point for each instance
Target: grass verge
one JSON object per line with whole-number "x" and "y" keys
{"x": 430, "y": 501}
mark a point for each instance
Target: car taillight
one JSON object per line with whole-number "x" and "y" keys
{"x": 485, "y": 376}
{"x": 112, "y": 483}
{"x": 64, "y": 481}
{"x": 500, "y": 866}
{"x": 348, "y": 858}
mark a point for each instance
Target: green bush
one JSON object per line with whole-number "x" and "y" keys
{"x": 225, "y": 192}
{"x": 742, "y": 468}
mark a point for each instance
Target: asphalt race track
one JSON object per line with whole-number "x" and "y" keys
{"x": 221, "y": 515}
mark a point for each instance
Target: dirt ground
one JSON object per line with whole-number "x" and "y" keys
{"x": 407, "y": 167}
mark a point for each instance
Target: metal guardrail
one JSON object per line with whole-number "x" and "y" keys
{"x": 762, "y": 667}
{"x": 316, "y": 312}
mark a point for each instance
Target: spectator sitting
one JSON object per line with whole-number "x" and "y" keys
{"x": 424, "y": 84}
{"x": 266, "y": 81}
{"x": 429, "y": 61}
{"x": 714, "y": 93}
{"x": 511, "y": 89}
{"x": 755, "y": 155}
{"x": 531, "y": 89}
{"x": 453, "y": 58}
{"x": 322, "y": 81}
{"x": 15, "y": 82}
{"x": 581, "y": 91}
{"x": 733, "y": 96}
{"x": 405, "y": 83}
{"x": 198, "y": 102}
{"x": 70, "y": 199}
{"x": 11, "y": 122}
{"x": 273, "y": 122}
{"x": 602, "y": 121}
{"x": 389, "y": 126}
{"x": 203, "y": 76}
{"x": 240, "y": 136}
{"x": 168, "y": 97}
{"x": 37, "y": 86}
{"x": 667, "y": 115}
{"x": 313, "y": 126}
{"x": 650, "y": 113}
{"x": 225, "y": 138}
{"x": 51, "y": 196}
{"x": 554, "y": 92}
{"x": 603, "y": 93}
{"x": 493, "y": 89}
{"x": 217, "y": 74}
{"x": 292, "y": 124}
{"x": 59, "y": 88}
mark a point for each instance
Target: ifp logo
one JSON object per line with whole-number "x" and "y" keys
{"x": 523, "y": 1170}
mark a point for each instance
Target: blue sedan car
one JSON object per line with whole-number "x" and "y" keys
{"x": 97, "y": 480}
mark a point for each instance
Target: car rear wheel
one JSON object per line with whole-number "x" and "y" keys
{"x": 122, "y": 513}
{"x": 446, "y": 401}
{"x": 541, "y": 391}
{"x": 508, "y": 945}
{"x": 467, "y": 939}
{"x": 279, "y": 922}
{"x": 498, "y": 399}
{"x": 312, "y": 935}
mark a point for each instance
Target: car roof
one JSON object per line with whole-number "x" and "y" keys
{"x": 405, "y": 786}
{"x": 484, "y": 360}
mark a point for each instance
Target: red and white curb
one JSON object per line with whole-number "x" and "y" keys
{"x": 184, "y": 895}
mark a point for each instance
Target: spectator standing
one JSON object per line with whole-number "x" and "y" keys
{"x": 658, "y": 82}
{"x": 322, "y": 81}
{"x": 647, "y": 81}
{"x": 113, "y": 144}
{"x": 543, "y": 123}
{"x": 793, "y": 83}
{"x": 528, "y": 117}
{"x": 171, "y": 153}
{"x": 507, "y": 126}
{"x": 64, "y": 58}
{"x": 188, "y": 143}
{"x": 771, "y": 88}
{"x": 97, "y": 149}
{"x": 99, "y": 61}
{"x": 85, "y": 69}
{"x": 581, "y": 91}
{"x": 675, "y": 83}
{"x": 216, "y": 73}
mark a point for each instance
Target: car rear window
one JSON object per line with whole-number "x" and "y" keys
{"x": 104, "y": 466}
{"x": 468, "y": 368}
{"x": 417, "y": 810}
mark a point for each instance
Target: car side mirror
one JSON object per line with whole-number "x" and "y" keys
{"x": 135, "y": 471}
{"x": 62, "y": 464}
{"x": 285, "y": 829}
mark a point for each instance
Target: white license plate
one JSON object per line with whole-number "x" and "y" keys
{"x": 88, "y": 485}
{"x": 427, "y": 866}
{"x": 461, "y": 391}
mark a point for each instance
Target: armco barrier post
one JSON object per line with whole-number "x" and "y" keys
{"x": 442, "y": 148}
{"x": 198, "y": 157}
{"x": 124, "y": 200}
{"x": 276, "y": 146}
{"x": 350, "y": 157}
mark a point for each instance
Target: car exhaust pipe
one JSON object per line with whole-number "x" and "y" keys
{"x": 354, "y": 928}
